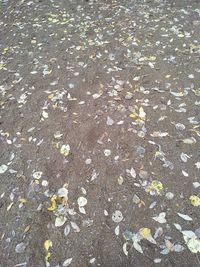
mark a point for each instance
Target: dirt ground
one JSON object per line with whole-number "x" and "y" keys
{"x": 99, "y": 133}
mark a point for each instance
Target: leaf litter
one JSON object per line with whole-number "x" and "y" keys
{"x": 112, "y": 103}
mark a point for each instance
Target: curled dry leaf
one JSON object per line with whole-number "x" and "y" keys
{"x": 195, "y": 200}
{"x": 117, "y": 216}
{"x": 53, "y": 203}
{"x": 107, "y": 152}
{"x": 62, "y": 196}
{"x": 120, "y": 180}
{"x": 125, "y": 248}
{"x": 37, "y": 175}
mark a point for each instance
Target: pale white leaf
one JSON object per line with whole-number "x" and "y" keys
{"x": 189, "y": 234}
{"x": 185, "y": 217}
{"x": 194, "y": 245}
{"x": 45, "y": 114}
{"x": 109, "y": 121}
{"x": 133, "y": 173}
{"x": 158, "y": 232}
{"x": 3, "y": 168}
{"x": 185, "y": 173}
{"x": 67, "y": 262}
{"x": 60, "y": 221}
{"x": 82, "y": 201}
{"x": 75, "y": 227}
{"x": 196, "y": 184}
{"x": 137, "y": 246}
{"x": 178, "y": 248}
{"x": 157, "y": 260}
{"x": 184, "y": 157}
{"x": 37, "y": 175}
{"x": 178, "y": 227}
{"x": 117, "y": 230}
{"x": 160, "y": 218}
{"x": 107, "y": 152}
{"x": 67, "y": 230}
{"x": 82, "y": 210}
{"x": 165, "y": 251}
{"x": 125, "y": 248}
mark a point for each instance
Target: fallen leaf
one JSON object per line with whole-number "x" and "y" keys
{"x": 48, "y": 244}
{"x": 117, "y": 230}
{"x": 3, "y": 168}
{"x": 65, "y": 149}
{"x": 194, "y": 245}
{"x": 53, "y": 203}
{"x": 195, "y": 200}
{"x": 160, "y": 218}
{"x": 45, "y": 114}
{"x": 60, "y": 221}
{"x": 66, "y": 230}
{"x": 120, "y": 180}
{"x": 185, "y": 217}
{"x": 117, "y": 216}
{"x": 125, "y": 248}
{"x": 67, "y": 262}
{"x": 37, "y": 175}
{"x": 75, "y": 227}
{"x": 82, "y": 201}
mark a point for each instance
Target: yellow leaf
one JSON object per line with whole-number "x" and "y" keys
{"x": 2, "y": 66}
{"x": 142, "y": 114}
{"x": 47, "y": 256}
{"x": 51, "y": 96}
{"x": 47, "y": 244}
{"x": 145, "y": 232}
{"x": 23, "y": 200}
{"x": 152, "y": 58}
{"x": 65, "y": 149}
{"x": 5, "y": 50}
{"x": 155, "y": 186}
{"x": 195, "y": 200}
{"x": 133, "y": 115}
{"x": 53, "y": 203}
